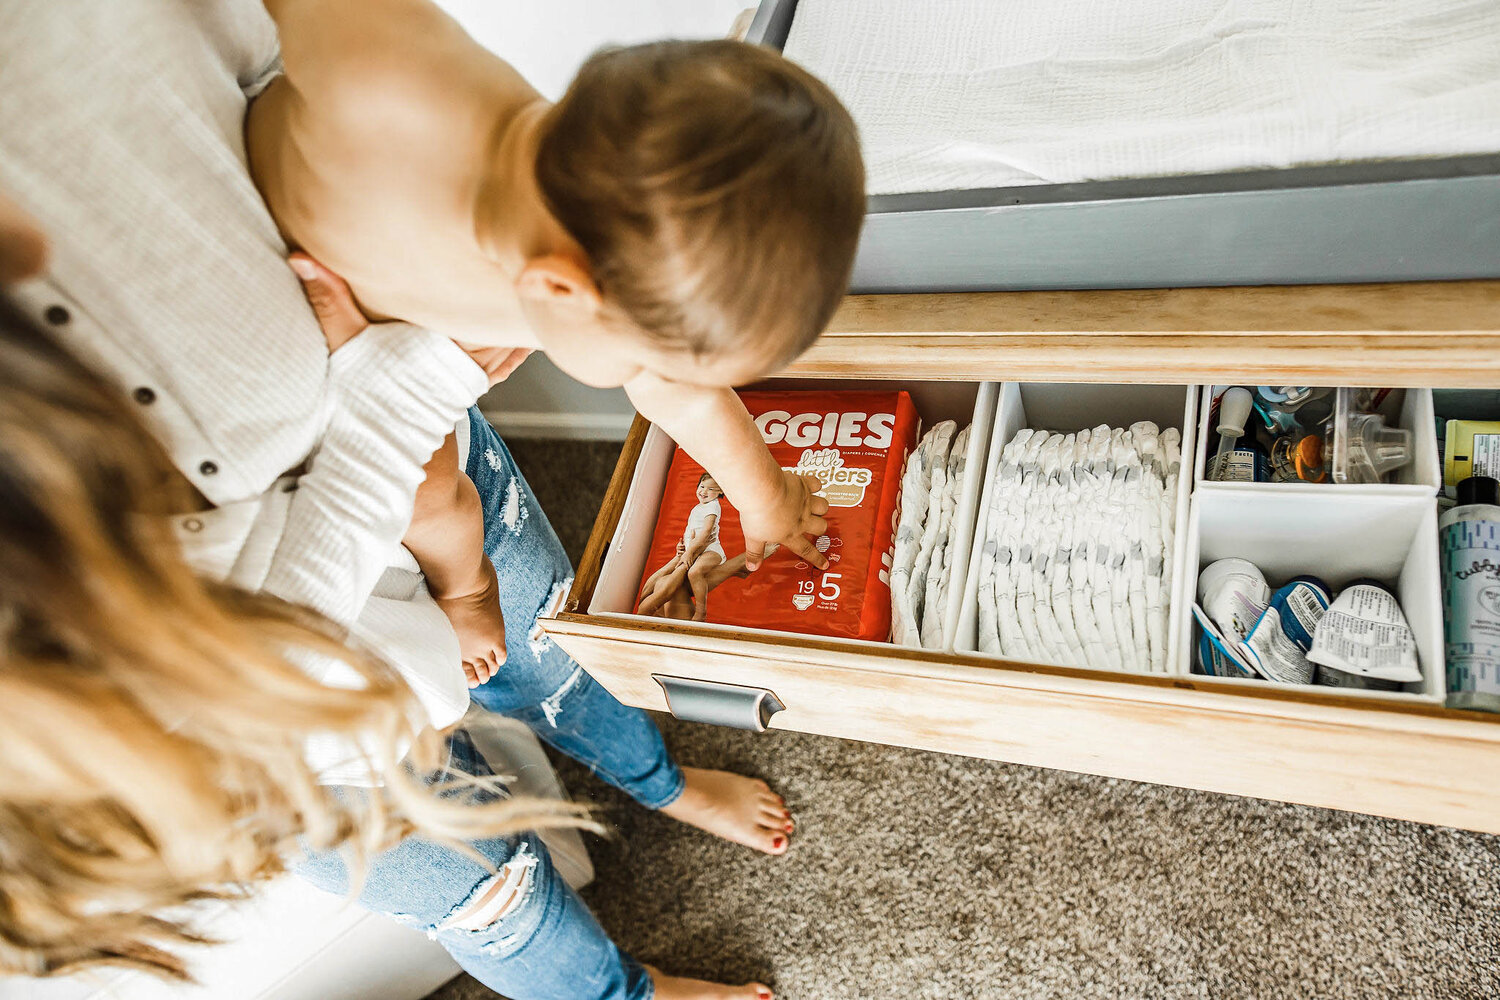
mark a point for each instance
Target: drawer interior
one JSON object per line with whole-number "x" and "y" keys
{"x": 1341, "y": 537}
{"x": 1340, "y": 533}
{"x": 1411, "y": 409}
{"x": 965, "y": 403}
{"x": 1067, "y": 408}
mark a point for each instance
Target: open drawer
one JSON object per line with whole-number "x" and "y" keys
{"x": 1407, "y": 758}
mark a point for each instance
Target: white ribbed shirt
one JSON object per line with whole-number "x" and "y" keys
{"x": 121, "y": 130}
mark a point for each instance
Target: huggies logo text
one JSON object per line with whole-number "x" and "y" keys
{"x": 824, "y": 430}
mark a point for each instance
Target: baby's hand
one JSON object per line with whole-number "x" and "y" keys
{"x": 797, "y": 514}
{"x": 481, "y": 631}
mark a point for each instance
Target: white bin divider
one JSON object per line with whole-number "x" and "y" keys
{"x": 1412, "y": 410}
{"x": 1065, "y": 407}
{"x": 965, "y": 517}
{"x": 1385, "y": 534}
{"x": 620, "y": 575}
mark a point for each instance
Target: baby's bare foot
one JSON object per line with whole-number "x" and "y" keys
{"x": 480, "y": 627}
{"x": 676, "y": 988}
{"x": 734, "y": 807}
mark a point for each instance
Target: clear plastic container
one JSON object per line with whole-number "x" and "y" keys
{"x": 1365, "y": 450}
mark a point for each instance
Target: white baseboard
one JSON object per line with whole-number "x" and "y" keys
{"x": 569, "y": 426}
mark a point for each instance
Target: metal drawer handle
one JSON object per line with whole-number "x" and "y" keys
{"x": 719, "y": 704}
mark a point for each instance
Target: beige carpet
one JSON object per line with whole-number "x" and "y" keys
{"x": 918, "y": 875}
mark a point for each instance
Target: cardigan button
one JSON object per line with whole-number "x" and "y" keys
{"x": 57, "y": 315}
{"x": 144, "y": 395}
{"x": 208, "y": 468}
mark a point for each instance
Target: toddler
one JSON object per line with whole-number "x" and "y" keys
{"x": 684, "y": 220}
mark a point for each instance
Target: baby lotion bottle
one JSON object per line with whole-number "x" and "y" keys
{"x": 1469, "y": 542}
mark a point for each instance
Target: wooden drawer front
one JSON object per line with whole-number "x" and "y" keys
{"x": 1431, "y": 766}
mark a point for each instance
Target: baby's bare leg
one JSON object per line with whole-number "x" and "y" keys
{"x": 663, "y": 591}
{"x": 446, "y": 537}
{"x": 726, "y": 569}
{"x": 651, "y": 580}
{"x": 698, "y": 578}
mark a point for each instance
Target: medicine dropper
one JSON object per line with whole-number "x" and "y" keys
{"x": 1234, "y": 410}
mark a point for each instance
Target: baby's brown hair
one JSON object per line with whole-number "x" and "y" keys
{"x": 717, "y": 189}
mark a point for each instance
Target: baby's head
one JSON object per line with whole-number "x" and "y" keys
{"x": 708, "y": 489}
{"x": 717, "y": 193}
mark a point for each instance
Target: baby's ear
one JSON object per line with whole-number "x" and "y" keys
{"x": 558, "y": 279}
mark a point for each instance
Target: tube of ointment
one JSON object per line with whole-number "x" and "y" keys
{"x": 1234, "y": 594}
{"x": 1217, "y": 656}
{"x": 1278, "y": 644}
{"x": 1365, "y": 633}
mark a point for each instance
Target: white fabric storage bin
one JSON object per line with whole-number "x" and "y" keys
{"x": 1068, "y": 408}
{"x": 1384, "y": 532}
{"x": 968, "y": 403}
{"x": 1410, "y": 409}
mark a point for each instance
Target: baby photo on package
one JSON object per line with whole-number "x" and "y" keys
{"x": 855, "y": 443}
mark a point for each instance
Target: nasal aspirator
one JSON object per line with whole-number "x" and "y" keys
{"x": 1233, "y": 464}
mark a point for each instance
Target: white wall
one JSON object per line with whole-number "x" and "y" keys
{"x": 547, "y": 40}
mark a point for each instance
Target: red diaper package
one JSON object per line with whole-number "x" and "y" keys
{"x": 856, "y": 443}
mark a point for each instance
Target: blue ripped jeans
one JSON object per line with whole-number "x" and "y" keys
{"x": 548, "y": 947}
{"x": 540, "y": 684}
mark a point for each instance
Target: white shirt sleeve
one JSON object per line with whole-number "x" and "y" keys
{"x": 395, "y": 392}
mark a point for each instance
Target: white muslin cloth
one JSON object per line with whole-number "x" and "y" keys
{"x": 962, "y": 94}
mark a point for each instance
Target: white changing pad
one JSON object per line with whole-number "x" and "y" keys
{"x": 963, "y": 94}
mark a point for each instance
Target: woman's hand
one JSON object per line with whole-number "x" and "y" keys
{"x": 332, "y": 301}
{"x": 342, "y": 321}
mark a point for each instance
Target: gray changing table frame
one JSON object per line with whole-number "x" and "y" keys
{"x": 1392, "y": 220}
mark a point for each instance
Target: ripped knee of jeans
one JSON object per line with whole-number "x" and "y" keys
{"x": 497, "y": 897}
{"x": 540, "y": 641}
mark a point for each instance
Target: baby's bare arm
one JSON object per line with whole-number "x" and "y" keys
{"x": 713, "y": 426}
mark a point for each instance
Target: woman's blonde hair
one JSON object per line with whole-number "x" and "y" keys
{"x": 153, "y": 725}
{"x": 717, "y": 189}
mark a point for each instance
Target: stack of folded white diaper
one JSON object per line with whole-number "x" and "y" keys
{"x": 930, "y": 488}
{"x": 1075, "y": 566}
